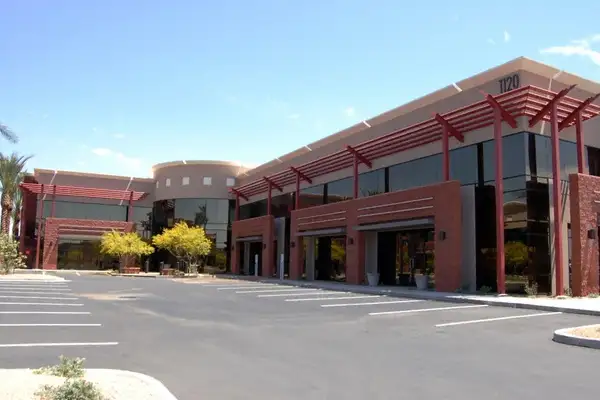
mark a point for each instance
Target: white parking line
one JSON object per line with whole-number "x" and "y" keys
{"x": 46, "y": 325}
{"x": 476, "y": 321}
{"x": 274, "y": 291}
{"x": 47, "y": 312}
{"x": 39, "y": 297}
{"x": 425, "y": 310}
{"x": 33, "y": 288}
{"x": 7, "y": 303}
{"x": 58, "y": 344}
{"x": 35, "y": 282}
{"x": 371, "y": 303}
{"x": 36, "y": 287}
{"x": 370, "y": 296}
{"x": 300, "y": 294}
{"x": 242, "y": 287}
{"x": 30, "y": 292}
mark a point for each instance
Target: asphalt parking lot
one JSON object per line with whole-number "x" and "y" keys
{"x": 240, "y": 340}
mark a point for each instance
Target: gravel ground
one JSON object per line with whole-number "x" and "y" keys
{"x": 592, "y": 332}
{"x": 22, "y": 384}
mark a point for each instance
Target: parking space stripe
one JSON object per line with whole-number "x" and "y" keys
{"x": 35, "y": 282}
{"x": 274, "y": 290}
{"x": 47, "y": 312}
{"x": 244, "y": 287}
{"x": 39, "y": 297}
{"x": 425, "y": 310}
{"x": 300, "y": 294}
{"x": 29, "y": 292}
{"x": 477, "y": 321}
{"x": 371, "y": 303}
{"x": 7, "y": 303}
{"x": 25, "y": 289}
{"x": 370, "y": 296}
{"x": 58, "y": 344}
{"x": 47, "y": 325}
{"x": 34, "y": 287}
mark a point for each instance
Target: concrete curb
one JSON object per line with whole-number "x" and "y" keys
{"x": 424, "y": 295}
{"x": 564, "y": 337}
{"x": 135, "y": 275}
{"x": 160, "y": 389}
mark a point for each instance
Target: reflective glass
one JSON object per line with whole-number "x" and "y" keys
{"x": 371, "y": 183}
{"x": 421, "y": 172}
{"x": 69, "y": 209}
{"x": 340, "y": 190}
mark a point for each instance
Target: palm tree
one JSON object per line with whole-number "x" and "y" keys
{"x": 7, "y": 134}
{"x": 11, "y": 169}
{"x": 16, "y": 213}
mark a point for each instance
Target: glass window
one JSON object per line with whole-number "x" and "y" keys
{"x": 514, "y": 157}
{"x": 168, "y": 182}
{"x": 162, "y": 215}
{"x": 463, "y": 165}
{"x": 312, "y": 196}
{"x": 142, "y": 217}
{"x": 371, "y": 183}
{"x": 415, "y": 173}
{"x": 207, "y": 180}
{"x": 340, "y": 190}
{"x": 282, "y": 205}
{"x": 68, "y": 209}
{"x": 543, "y": 155}
{"x": 185, "y": 180}
{"x": 157, "y": 184}
{"x": 230, "y": 182}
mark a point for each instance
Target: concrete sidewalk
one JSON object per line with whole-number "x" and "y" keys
{"x": 586, "y": 306}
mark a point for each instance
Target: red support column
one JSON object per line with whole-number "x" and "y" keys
{"x": 130, "y": 208}
{"x": 39, "y": 217}
{"x": 355, "y": 176}
{"x": 500, "y": 273}
{"x": 556, "y": 197}
{"x": 237, "y": 207}
{"x": 297, "y": 197}
{"x": 580, "y": 143}
{"x": 446, "y": 154}
{"x": 53, "y": 201}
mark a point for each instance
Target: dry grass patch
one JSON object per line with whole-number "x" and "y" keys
{"x": 590, "y": 332}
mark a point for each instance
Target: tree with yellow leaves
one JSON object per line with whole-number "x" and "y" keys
{"x": 187, "y": 243}
{"x": 128, "y": 247}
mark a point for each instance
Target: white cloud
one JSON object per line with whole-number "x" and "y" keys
{"x": 579, "y": 47}
{"x": 506, "y": 37}
{"x": 350, "y": 111}
{"x": 131, "y": 164}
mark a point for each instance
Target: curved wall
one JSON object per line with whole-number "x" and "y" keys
{"x": 195, "y": 179}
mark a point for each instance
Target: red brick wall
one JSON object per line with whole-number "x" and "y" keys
{"x": 441, "y": 201}
{"x": 584, "y": 192}
{"x": 262, "y": 226}
{"x": 51, "y": 233}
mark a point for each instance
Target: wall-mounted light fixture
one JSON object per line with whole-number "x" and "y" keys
{"x": 292, "y": 244}
{"x": 592, "y": 234}
{"x": 350, "y": 241}
{"x": 264, "y": 246}
{"x": 442, "y": 235}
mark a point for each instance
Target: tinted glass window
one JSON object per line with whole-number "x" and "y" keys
{"x": 514, "y": 157}
{"x": 312, "y": 196}
{"x": 371, "y": 183}
{"x": 340, "y": 190}
{"x": 463, "y": 165}
{"x": 282, "y": 205}
{"x": 68, "y": 209}
{"x": 543, "y": 155}
{"x": 420, "y": 172}
{"x": 142, "y": 217}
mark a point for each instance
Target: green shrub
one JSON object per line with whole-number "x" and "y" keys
{"x": 77, "y": 389}
{"x": 66, "y": 368}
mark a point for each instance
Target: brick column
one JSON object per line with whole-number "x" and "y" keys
{"x": 355, "y": 250}
{"x": 268, "y": 247}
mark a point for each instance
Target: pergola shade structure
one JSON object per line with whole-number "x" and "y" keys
{"x": 532, "y": 102}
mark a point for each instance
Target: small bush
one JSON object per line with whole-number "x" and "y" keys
{"x": 66, "y": 368}
{"x": 593, "y": 295}
{"x": 531, "y": 290}
{"x": 485, "y": 289}
{"x": 77, "y": 389}
{"x": 568, "y": 292}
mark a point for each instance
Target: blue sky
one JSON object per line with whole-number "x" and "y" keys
{"x": 114, "y": 86}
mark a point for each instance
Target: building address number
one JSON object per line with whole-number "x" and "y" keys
{"x": 509, "y": 83}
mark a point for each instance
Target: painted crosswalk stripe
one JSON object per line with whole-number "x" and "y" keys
{"x": 38, "y": 297}
{"x": 301, "y": 294}
{"x": 83, "y": 344}
{"x": 370, "y": 303}
{"x": 273, "y": 291}
{"x": 477, "y": 321}
{"x": 334, "y": 298}
{"x": 425, "y": 310}
{"x": 9, "y": 303}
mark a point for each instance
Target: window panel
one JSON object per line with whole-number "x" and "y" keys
{"x": 415, "y": 173}
{"x": 514, "y": 157}
{"x": 312, "y": 196}
{"x": 340, "y": 190}
{"x": 68, "y": 209}
{"x": 463, "y": 165}
{"x": 371, "y": 183}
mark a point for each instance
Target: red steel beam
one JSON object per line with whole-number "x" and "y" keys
{"x": 270, "y": 182}
{"x": 447, "y": 131}
{"x": 301, "y": 175}
{"x": 449, "y": 128}
{"x": 40, "y": 216}
{"x": 549, "y": 106}
{"x": 77, "y": 191}
{"x": 238, "y": 193}
{"x": 504, "y": 114}
{"x": 556, "y": 196}
{"x": 359, "y": 156}
{"x": 573, "y": 115}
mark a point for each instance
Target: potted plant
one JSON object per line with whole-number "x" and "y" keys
{"x": 373, "y": 278}
{"x": 422, "y": 277}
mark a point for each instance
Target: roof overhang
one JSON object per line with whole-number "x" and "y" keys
{"x": 79, "y": 191}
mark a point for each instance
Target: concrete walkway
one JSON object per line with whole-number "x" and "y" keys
{"x": 587, "y": 306}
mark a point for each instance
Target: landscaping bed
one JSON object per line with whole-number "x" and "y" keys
{"x": 590, "y": 332}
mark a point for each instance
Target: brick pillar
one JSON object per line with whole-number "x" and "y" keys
{"x": 268, "y": 247}
{"x": 296, "y": 250}
{"x": 235, "y": 255}
{"x": 355, "y": 256}
{"x": 50, "y": 252}
{"x": 448, "y": 240}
